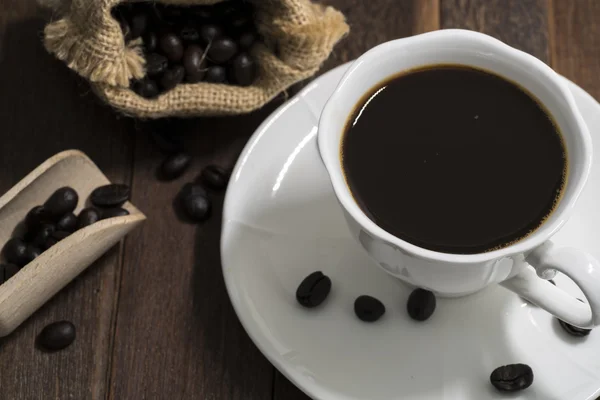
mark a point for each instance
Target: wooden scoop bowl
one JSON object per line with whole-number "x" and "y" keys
{"x": 42, "y": 278}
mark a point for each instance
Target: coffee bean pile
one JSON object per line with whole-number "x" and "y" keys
{"x": 56, "y": 336}
{"x": 48, "y": 224}
{"x": 191, "y": 44}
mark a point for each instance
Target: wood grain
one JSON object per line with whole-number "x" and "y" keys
{"x": 44, "y": 109}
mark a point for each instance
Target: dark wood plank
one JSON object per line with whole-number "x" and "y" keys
{"x": 575, "y": 38}
{"x": 44, "y": 108}
{"x": 520, "y": 23}
{"x": 371, "y": 23}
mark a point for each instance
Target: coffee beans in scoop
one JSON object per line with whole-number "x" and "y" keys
{"x": 186, "y": 45}
{"x": 512, "y": 378}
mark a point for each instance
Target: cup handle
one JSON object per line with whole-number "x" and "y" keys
{"x": 578, "y": 265}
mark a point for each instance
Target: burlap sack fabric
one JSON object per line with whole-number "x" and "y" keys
{"x": 89, "y": 40}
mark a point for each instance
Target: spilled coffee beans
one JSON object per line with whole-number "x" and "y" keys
{"x": 512, "y": 378}
{"x": 313, "y": 290}
{"x": 421, "y": 304}
{"x": 195, "y": 202}
{"x": 368, "y": 308}
{"x": 56, "y": 336}
{"x": 175, "y": 165}
{"x": 214, "y": 177}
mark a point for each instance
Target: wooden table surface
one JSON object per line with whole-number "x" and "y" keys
{"x": 152, "y": 315}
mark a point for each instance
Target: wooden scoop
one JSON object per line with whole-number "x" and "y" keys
{"x": 42, "y": 278}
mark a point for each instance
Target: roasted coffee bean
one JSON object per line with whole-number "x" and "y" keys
{"x": 139, "y": 24}
{"x": 313, "y": 290}
{"x": 573, "y": 330}
{"x": 56, "y": 336}
{"x": 216, "y": 74}
{"x": 63, "y": 201}
{"x": 240, "y": 21}
{"x": 60, "y": 235}
{"x": 195, "y": 202}
{"x": 210, "y": 32}
{"x": 87, "y": 216}
{"x": 35, "y": 218}
{"x": 222, "y": 50}
{"x": 8, "y": 271}
{"x": 166, "y": 142}
{"x": 214, "y": 177}
{"x": 67, "y": 222}
{"x": 174, "y": 166}
{"x": 172, "y": 77}
{"x": 194, "y": 63}
{"x": 42, "y": 236}
{"x": 246, "y": 40}
{"x": 189, "y": 34}
{"x": 512, "y": 378}
{"x": 114, "y": 212}
{"x": 150, "y": 42}
{"x": 156, "y": 64}
{"x": 243, "y": 70}
{"x": 113, "y": 195}
{"x": 421, "y": 304}
{"x": 171, "y": 46}
{"x": 146, "y": 88}
{"x": 368, "y": 308}
{"x": 15, "y": 252}
{"x": 32, "y": 253}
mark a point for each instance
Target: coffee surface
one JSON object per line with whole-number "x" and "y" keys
{"x": 453, "y": 159}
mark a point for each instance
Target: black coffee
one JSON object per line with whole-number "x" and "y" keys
{"x": 454, "y": 159}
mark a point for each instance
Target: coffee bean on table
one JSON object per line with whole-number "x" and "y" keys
{"x": 512, "y": 378}
{"x": 172, "y": 77}
{"x": 146, "y": 88}
{"x": 114, "y": 212}
{"x": 246, "y": 40}
{"x": 313, "y": 290}
{"x": 175, "y": 165}
{"x": 67, "y": 222}
{"x": 194, "y": 62}
{"x": 216, "y": 74}
{"x": 56, "y": 336}
{"x": 210, "y": 32}
{"x": 87, "y": 216}
{"x": 15, "y": 252}
{"x": 62, "y": 201}
{"x": 35, "y": 217}
{"x": 573, "y": 330}
{"x": 42, "y": 235}
{"x": 195, "y": 202}
{"x": 9, "y": 270}
{"x": 156, "y": 64}
{"x": 150, "y": 43}
{"x": 222, "y": 50}
{"x": 214, "y": 177}
{"x": 243, "y": 70}
{"x": 112, "y": 195}
{"x": 171, "y": 46}
{"x": 421, "y": 304}
{"x": 368, "y": 309}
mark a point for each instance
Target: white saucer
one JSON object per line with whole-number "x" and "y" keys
{"x": 282, "y": 222}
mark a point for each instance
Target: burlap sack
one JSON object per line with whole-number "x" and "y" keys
{"x": 89, "y": 40}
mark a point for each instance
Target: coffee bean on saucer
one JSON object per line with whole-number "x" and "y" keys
{"x": 171, "y": 46}
{"x": 15, "y": 252}
{"x": 216, "y": 74}
{"x": 114, "y": 212}
{"x": 175, "y": 165}
{"x": 246, "y": 40}
{"x": 194, "y": 63}
{"x": 139, "y": 24}
{"x": 189, "y": 34}
{"x": 214, "y": 177}
{"x": 62, "y": 201}
{"x": 67, "y": 222}
{"x": 243, "y": 70}
{"x": 7, "y": 271}
{"x": 222, "y": 50}
{"x": 156, "y": 64}
{"x": 41, "y": 237}
{"x": 150, "y": 42}
{"x": 573, "y": 330}
{"x": 421, "y": 304}
{"x": 195, "y": 202}
{"x": 172, "y": 77}
{"x": 368, "y": 309}
{"x": 87, "y": 216}
{"x": 35, "y": 217}
{"x": 56, "y": 336}
{"x": 313, "y": 290}
{"x": 210, "y": 32}
{"x": 112, "y": 195}
{"x": 512, "y": 378}
{"x": 146, "y": 88}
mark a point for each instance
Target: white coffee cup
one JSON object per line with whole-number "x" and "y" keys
{"x": 514, "y": 266}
